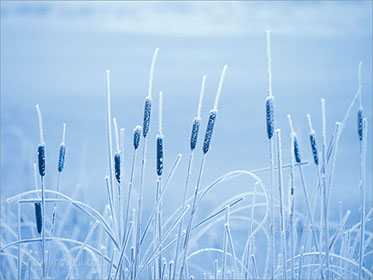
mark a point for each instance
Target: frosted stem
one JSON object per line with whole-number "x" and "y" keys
{"x": 109, "y": 141}
{"x": 116, "y": 134}
{"x": 63, "y": 133}
{"x": 201, "y": 96}
{"x": 310, "y": 123}
{"x": 160, "y": 112}
{"x": 40, "y": 123}
{"x": 360, "y": 86}
{"x": 281, "y": 199}
{"x": 269, "y": 59}
{"x": 82, "y": 248}
{"x": 155, "y": 55}
{"x": 221, "y": 81}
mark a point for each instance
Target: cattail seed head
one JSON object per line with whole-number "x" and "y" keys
{"x": 314, "y": 147}
{"x": 117, "y": 166}
{"x": 194, "y": 135}
{"x": 38, "y": 216}
{"x": 296, "y": 148}
{"x": 209, "y": 130}
{"x": 360, "y": 123}
{"x": 61, "y": 157}
{"x": 136, "y": 137}
{"x": 270, "y": 104}
{"x": 41, "y": 159}
{"x": 159, "y": 154}
{"x": 147, "y": 113}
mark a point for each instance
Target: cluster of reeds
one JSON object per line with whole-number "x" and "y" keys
{"x": 126, "y": 244}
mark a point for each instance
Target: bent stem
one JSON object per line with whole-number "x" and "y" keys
{"x": 189, "y": 172}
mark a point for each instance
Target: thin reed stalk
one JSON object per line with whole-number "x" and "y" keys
{"x": 155, "y": 207}
{"x": 110, "y": 150}
{"x": 193, "y": 144}
{"x": 146, "y": 127}
{"x": 281, "y": 199}
{"x": 363, "y": 153}
{"x": 297, "y": 157}
{"x": 323, "y": 177}
{"x": 82, "y": 247}
{"x": 270, "y": 130}
{"x": 41, "y": 163}
{"x": 230, "y": 239}
{"x": 136, "y": 142}
{"x": 225, "y": 243}
{"x": 205, "y": 149}
{"x": 248, "y": 250}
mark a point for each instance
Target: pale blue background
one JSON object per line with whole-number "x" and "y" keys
{"x": 55, "y": 54}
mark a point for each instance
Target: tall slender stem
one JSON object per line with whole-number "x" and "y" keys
{"x": 281, "y": 198}
{"x": 43, "y": 226}
{"x": 139, "y": 206}
{"x": 189, "y": 172}
{"x": 189, "y": 228}
{"x": 130, "y": 192}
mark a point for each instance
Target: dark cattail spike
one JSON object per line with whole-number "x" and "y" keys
{"x": 41, "y": 159}
{"x": 314, "y": 148}
{"x": 295, "y": 141}
{"x": 360, "y": 123}
{"x": 159, "y": 154}
{"x": 296, "y": 148}
{"x": 315, "y": 152}
{"x": 209, "y": 130}
{"x": 147, "y": 114}
{"x": 62, "y": 151}
{"x": 136, "y": 137}
{"x": 61, "y": 157}
{"x": 270, "y": 118}
{"x": 38, "y": 216}
{"x": 160, "y": 137}
{"x": 117, "y": 166}
{"x": 194, "y": 135}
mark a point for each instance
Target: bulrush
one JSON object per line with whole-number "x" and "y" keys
{"x": 38, "y": 216}
{"x": 295, "y": 142}
{"x": 205, "y": 149}
{"x": 270, "y": 116}
{"x": 62, "y": 150}
{"x": 146, "y": 127}
{"x": 117, "y": 166}
{"x": 147, "y": 115}
{"x": 159, "y": 155}
{"x": 41, "y": 159}
{"x": 41, "y": 162}
{"x": 209, "y": 130}
{"x": 270, "y": 121}
{"x": 117, "y": 157}
{"x": 136, "y": 137}
{"x": 360, "y": 123}
{"x": 160, "y": 137}
{"x": 360, "y": 111}
{"x": 213, "y": 113}
{"x": 194, "y": 134}
{"x": 312, "y": 134}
